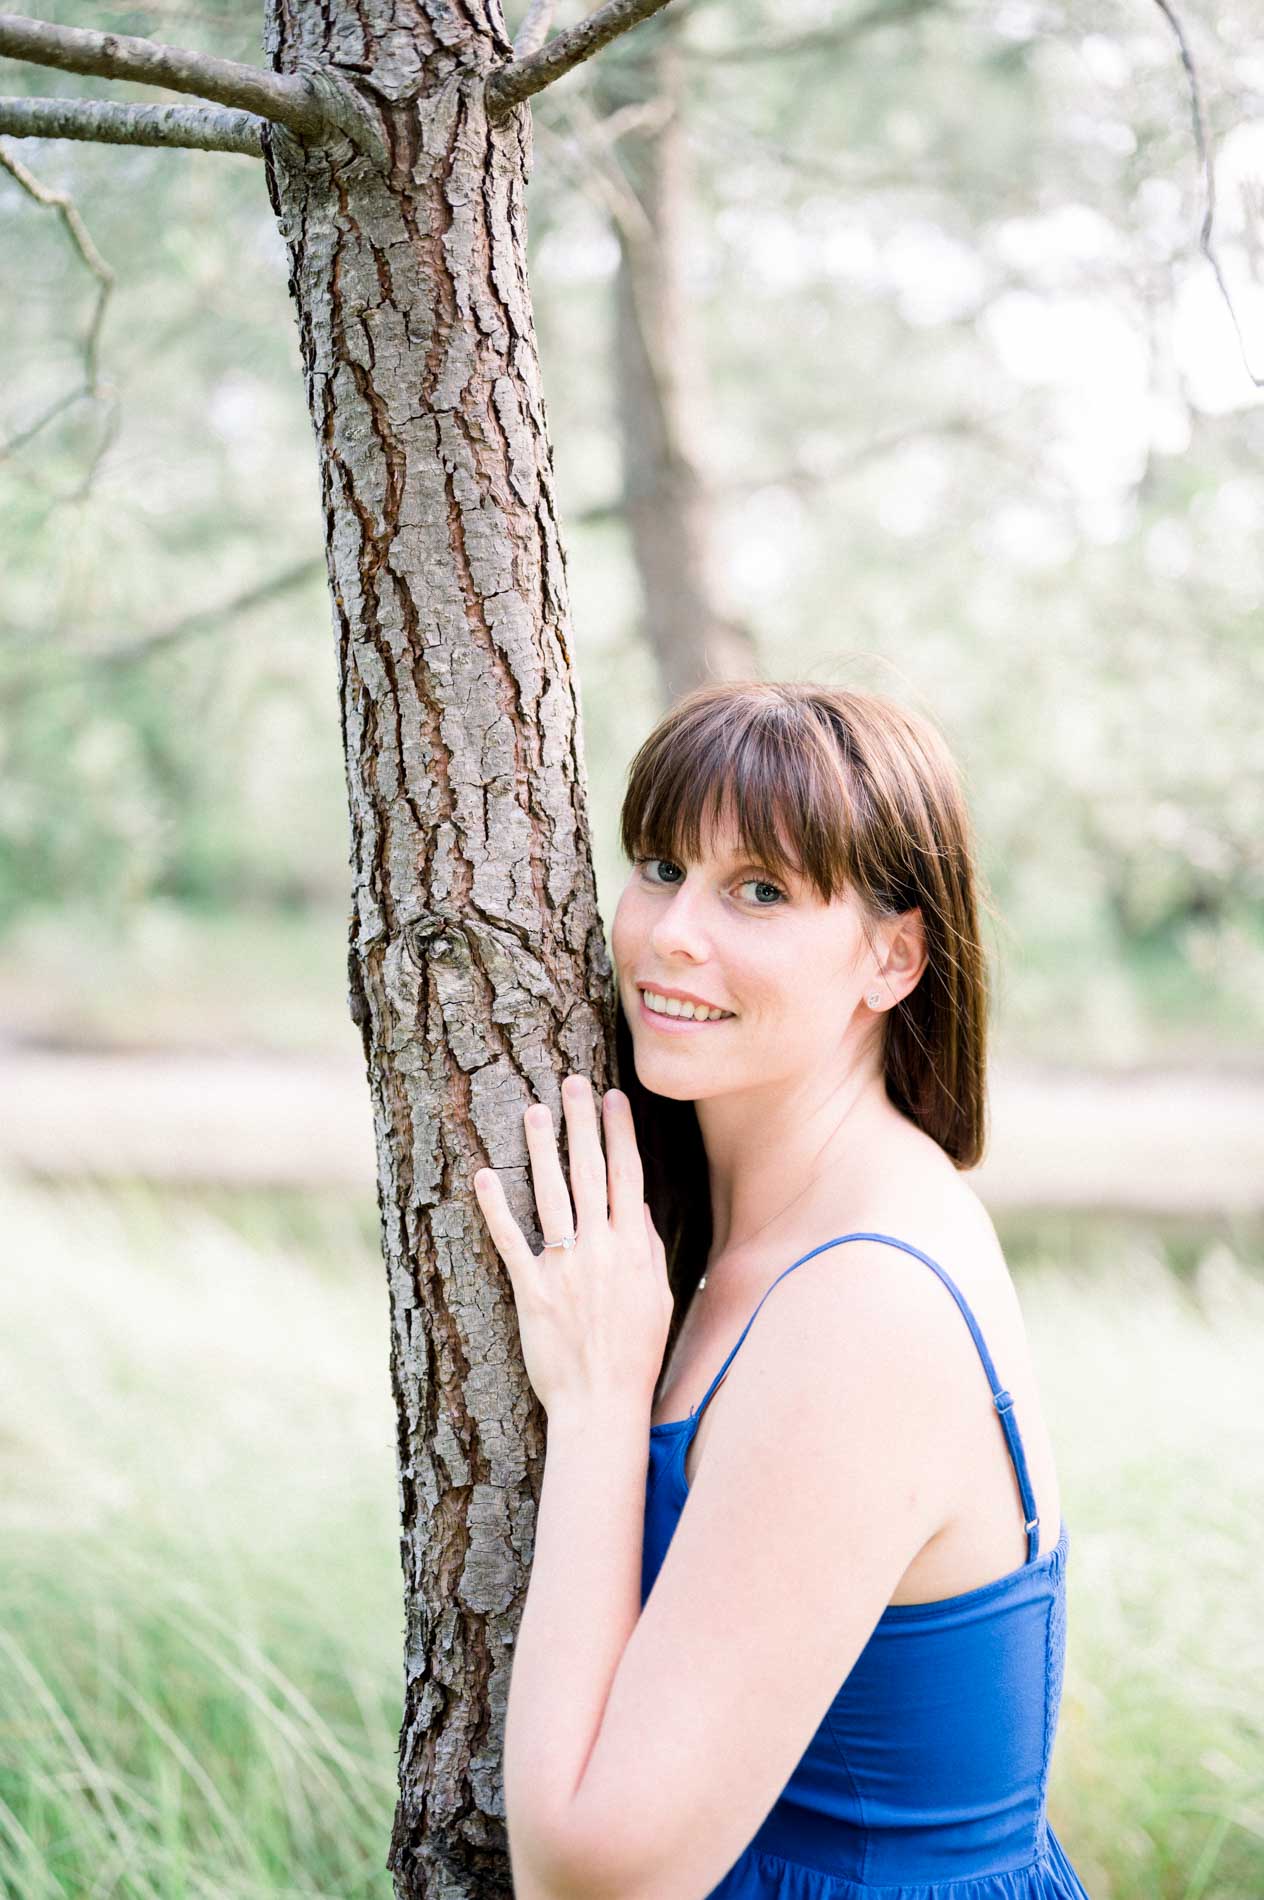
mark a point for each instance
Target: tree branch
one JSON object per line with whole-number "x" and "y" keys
{"x": 532, "y": 33}
{"x": 202, "y": 128}
{"x": 509, "y": 85}
{"x": 56, "y": 658}
{"x": 825, "y": 39}
{"x": 206, "y": 619}
{"x": 1209, "y": 181}
{"x": 91, "y": 385}
{"x": 288, "y": 98}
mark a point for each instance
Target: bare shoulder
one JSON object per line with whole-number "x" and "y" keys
{"x": 879, "y": 1293}
{"x": 936, "y": 1210}
{"x": 919, "y": 1197}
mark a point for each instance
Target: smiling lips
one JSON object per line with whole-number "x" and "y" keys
{"x": 669, "y": 1012}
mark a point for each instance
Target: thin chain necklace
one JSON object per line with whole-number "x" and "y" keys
{"x": 774, "y": 1216}
{"x": 802, "y": 1191}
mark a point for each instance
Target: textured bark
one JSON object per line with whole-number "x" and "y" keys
{"x": 660, "y": 387}
{"x": 477, "y": 964}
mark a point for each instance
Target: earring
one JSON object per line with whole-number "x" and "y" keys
{"x": 874, "y": 998}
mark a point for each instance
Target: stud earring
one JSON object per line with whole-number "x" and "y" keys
{"x": 874, "y": 998}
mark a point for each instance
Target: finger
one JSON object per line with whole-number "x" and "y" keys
{"x": 625, "y": 1182}
{"x": 552, "y": 1196}
{"x": 588, "y": 1163}
{"x": 658, "y": 1253}
{"x": 508, "y": 1238}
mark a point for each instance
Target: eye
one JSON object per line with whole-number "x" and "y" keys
{"x": 655, "y": 880}
{"x": 764, "y": 884}
{"x": 761, "y": 883}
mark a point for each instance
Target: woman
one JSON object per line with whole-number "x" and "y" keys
{"x": 795, "y": 1624}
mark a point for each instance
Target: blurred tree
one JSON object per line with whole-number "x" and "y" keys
{"x": 396, "y": 154}
{"x": 639, "y": 141}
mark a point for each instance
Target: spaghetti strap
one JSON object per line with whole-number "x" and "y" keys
{"x": 1000, "y": 1397}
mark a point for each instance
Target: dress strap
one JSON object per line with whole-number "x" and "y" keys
{"x": 1002, "y": 1399}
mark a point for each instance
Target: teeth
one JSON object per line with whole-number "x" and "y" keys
{"x": 692, "y": 1012}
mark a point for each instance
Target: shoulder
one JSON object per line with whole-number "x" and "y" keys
{"x": 869, "y": 1321}
{"x": 867, "y": 1306}
{"x": 860, "y": 1346}
{"x": 920, "y": 1218}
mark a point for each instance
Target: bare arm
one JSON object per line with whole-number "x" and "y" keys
{"x": 582, "y": 1605}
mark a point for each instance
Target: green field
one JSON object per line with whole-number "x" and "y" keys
{"x": 200, "y": 1622}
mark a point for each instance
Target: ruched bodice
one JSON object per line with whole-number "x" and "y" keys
{"x": 927, "y": 1777}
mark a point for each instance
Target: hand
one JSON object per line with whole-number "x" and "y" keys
{"x": 593, "y": 1317}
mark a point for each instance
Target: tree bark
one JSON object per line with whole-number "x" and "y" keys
{"x": 477, "y": 964}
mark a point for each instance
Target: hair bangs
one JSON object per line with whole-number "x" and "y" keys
{"x": 767, "y": 767}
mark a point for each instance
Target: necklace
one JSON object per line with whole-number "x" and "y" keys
{"x": 773, "y": 1216}
{"x": 795, "y": 1197}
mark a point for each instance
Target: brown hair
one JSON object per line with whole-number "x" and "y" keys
{"x": 857, "y": 794}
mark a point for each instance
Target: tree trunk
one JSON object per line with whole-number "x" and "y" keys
{"x": 660, "y": 387}
{"x": 478, "y": 969}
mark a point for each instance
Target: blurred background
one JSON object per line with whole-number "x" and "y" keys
{"x": 879, "y": 347}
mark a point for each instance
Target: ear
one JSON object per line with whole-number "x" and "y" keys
{"x": 904, "y": 953}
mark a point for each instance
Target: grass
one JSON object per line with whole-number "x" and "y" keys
{"x": 200, "y": 1620}
{"x": 200, "y": 1617}
{"x": 1150, "y": 1350}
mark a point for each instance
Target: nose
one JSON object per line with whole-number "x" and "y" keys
{"x": 679, "y": 928}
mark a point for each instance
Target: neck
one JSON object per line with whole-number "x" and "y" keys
{"x": 769, "y": 1159}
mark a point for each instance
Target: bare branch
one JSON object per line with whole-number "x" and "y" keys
{"x": 65, "y": 206}
{"x": 824, "y": 39}
{"x": 205, "y": 619}
{"x": 509, "y": 85}
{"x": 91, "y": 386}
{"x": 598, "y": 178}
{"x": 202, "y": 128}
{"x": 288, "y": 98}
{"x": 54, "y": 659}
{"x": 534, "y": 29}
{"x": 1209, "y": 182}
{"x": 54, "y": 409}
{"x": 973, "y": 427}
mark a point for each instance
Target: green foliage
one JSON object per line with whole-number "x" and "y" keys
{"x": 974, "y": 416}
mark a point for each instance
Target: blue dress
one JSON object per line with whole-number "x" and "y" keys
{"x": 926, "y": 1780}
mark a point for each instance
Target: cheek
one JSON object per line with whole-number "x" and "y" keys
{"x": 622, "y": 929}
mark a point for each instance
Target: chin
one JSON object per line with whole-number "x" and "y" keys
{"x": 670, "y": 1091}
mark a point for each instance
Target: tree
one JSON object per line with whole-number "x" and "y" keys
{"x": 660, "y": 380}
{"x": 396, "y": 149}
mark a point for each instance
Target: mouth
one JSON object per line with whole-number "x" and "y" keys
{"x": 679, "y": 1025}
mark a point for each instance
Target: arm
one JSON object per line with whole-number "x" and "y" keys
{"x": 827, "y": 1470}
{"x": 582, "y": 1605}
{"x": 594, "y": 1318}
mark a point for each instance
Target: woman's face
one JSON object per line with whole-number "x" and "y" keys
{"x": 790, "y": 969}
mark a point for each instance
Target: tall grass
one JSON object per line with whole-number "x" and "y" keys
{"x": 1150, "y": 1351}
{"x": 200, "y": 1620}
